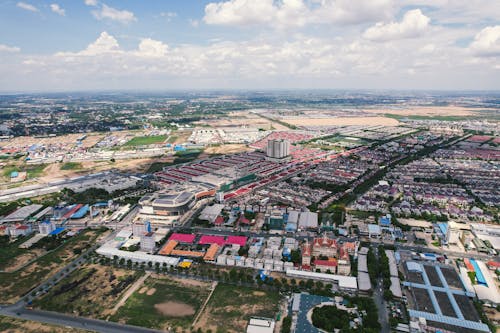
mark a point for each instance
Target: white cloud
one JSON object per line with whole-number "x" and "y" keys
{"x": 7, "y": 48}
{"x": 91, "y": 3}
{"x": 413, "y": 24}
{"x": 57, "y": 9}
{"x": 296, "y": 13}
{"x": 194, "y": 23}
{"x": 152, "y": 48}
{"x": 104, "y": 44}
{"x": 106, "y": 12}
{"x": 168, "y": 15}
{"x": 27, "y": 6}
{"x": 487, "y": 42}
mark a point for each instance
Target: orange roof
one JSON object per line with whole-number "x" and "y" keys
{"x": 211, "y": 252}
{"x": 331, "y": 262}
{"x": 169, "y": 247}
{"x": 185, "y": 253}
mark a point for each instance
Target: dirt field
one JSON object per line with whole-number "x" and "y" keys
{"x": 452, "y": 278}
{"x": 426, "y": 111}
{"x": 227, "y": 149}
{"x": 14, "y": 325}
{"x": 175, "y": 309}
{"x": 164, "y": 303}
{"x": 90, "y": 291}
{"x": 244, "y": 118}
{"x": 13, "y": 285}
{"x": 423, "y": 300}
{"x": 230, "y": 308}
{"x": 342, "y": 121}
{"x": 21, "y": 260}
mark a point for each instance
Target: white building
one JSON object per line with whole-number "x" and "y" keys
{"x": 46, "y": 227}
{"x": 278, "y": 149}
{"x": 148, "y": 242}
{"x": 261, "y": 325}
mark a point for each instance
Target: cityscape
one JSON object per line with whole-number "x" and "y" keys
{"x": 136, "y": 196}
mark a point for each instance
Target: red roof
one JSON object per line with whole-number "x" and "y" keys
{"x": 219, "y": 220}
{"x": 211, "y": 239}
{"x": 22, "y": 227}
{"x": 238, "y": 240}
{"x": 493, "y": 264}
{"x": 183, "y": 238}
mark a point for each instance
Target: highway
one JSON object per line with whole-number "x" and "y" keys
{"x": 18, "y": 311}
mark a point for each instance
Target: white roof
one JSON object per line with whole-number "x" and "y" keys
{"x": 261, "y": 325}
{"x": 374, "y": 229}
{"x": 347, "y": 282}
{"x": 308, "y": 220}
{"x": 414, "y": 267}
{"x": 136, "y": 256}
{"x": 396, "y": 287}
{"x": 364, "y": 281}
{"x": 393, "y": 268}
{"x": 293, "y": 216}
{"x": 362, "y": 263}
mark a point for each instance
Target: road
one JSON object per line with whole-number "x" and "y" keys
{"x": 378, "y": 296}
{"x": 71, "y": 321}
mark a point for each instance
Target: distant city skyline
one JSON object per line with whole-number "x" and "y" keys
{"x": 80, "y": 45}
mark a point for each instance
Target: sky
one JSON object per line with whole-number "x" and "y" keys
{"x": 93, "y": 45}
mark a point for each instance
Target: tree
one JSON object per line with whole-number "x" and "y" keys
{"x": 287, "y": 325}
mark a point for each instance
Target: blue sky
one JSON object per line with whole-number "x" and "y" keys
{"x": 109, "y": 44}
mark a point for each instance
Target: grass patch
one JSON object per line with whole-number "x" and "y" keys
{"x": 71, "y": 166}
{"x": 146, "y": 140}
{"x": 230, "y": 307}
{"x": 19, "y": 283}
{"x": 140, "y": 308}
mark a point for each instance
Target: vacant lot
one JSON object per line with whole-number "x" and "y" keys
{"x": 230, "y": 308}
{"x": 163, "y": 302}
{"x": 427, "y": 111}
{"x": 342, "y": 121}
{"x": 71, "y": 166}
{"x": 146, "y": 140}
{"x": 15, "y": 325}
{"x": 467, "y": 308}
{"x": 19, "y": 283}
{"x": 12, "y": 257}
{"x": 90, "y": 291}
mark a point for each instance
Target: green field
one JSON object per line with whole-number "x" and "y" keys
{"x": 146, "y": 140}
{"x": 71, "y": 166}
{"x": 230, "y": 307}
{"x": 32, "y": 170}
{"x": 181, "y": 300}
{"x": 16, "y": 284}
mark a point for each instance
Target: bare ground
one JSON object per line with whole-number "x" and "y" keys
{"x": 175, "y": 309}
{"x": 342, "y": 121}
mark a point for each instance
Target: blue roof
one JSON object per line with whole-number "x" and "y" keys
{"x": 81, "y": 212}
{"x": 443, "y": 227}
{"x": 385, "y": 220}
{"x": 57, "y": 231}
{"x": 14, "y": 174}
{"x": 479, "y": 275}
